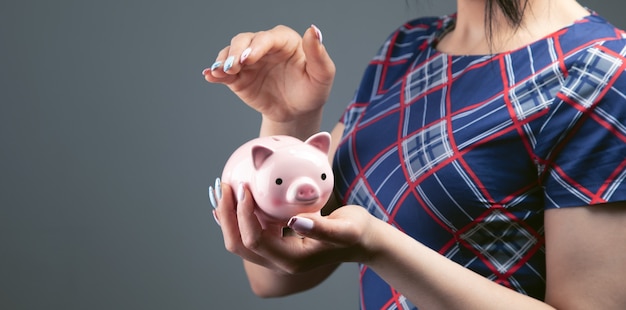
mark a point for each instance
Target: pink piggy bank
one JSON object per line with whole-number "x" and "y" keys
{"x": 285, "y": 175}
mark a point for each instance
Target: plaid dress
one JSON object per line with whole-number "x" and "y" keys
{"x": 464, "y": 153}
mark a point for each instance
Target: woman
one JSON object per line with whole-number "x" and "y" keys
{"x": 482, "y": 161}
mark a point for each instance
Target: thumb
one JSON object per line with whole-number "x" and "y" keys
{"x": 319, "y": 65}
{"x": 321, "y": 228}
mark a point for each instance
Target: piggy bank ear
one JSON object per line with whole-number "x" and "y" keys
{"x": 320, "y": 140}
{"x": 259, "y": 155}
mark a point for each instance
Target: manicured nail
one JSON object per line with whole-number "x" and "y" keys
{"x": 206, "y": 71}
{"x": 218, "y": 188}
{"x": 241, "y": 193}
{"x": 212, "y": 197}
{"x": 318, "y": 33}
{"x": 229, "y": 63}
{"x": 300, "y": 224}
{"x": 245, "y": 55}
{"x": 216, "y": 65}
{"x": 217, "y": 220}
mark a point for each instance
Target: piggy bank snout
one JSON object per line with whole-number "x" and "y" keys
{"x": 307, "y": 192}
{"x": 303, "y": 191}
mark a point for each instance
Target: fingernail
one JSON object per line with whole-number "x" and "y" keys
{"x": 212, "y": 197}
{"x": 218, "y": 188}
{"x": 217, "y": 220}
{"x": 245, "y": 55}
{"x": 300, "y": 224}
{"x": 241, "y": 193}
{"x": 216, "y": 65}
{"x": 229, "y": 63}
{"x": 206, "y": 71}
{"x": 318, "y": 33}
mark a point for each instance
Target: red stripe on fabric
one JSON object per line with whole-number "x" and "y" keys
{"x": 573, "y": 182}
{"x": 619, "y": 170}
{"x": 387, "y": 63}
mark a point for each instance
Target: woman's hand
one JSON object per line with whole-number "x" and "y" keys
{"x": 277, "y": 72}
{"x": 339, "y": 237}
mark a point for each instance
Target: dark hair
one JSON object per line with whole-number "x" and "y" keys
{"x": 513, "y": 11}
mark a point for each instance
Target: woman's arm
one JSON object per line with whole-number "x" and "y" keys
{"x": 586, "y": 257}
{"x": 287, "y": 78}
{"x": 586, "y": 265}
{"x": 272, "y": 283}
{"x": 432, "y": 281}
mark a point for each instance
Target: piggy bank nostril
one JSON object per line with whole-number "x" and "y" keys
{"x": 306, "y": 192}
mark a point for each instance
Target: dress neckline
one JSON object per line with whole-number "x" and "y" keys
{"x": 448, "y": 23}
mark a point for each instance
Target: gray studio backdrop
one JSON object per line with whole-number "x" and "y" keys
{"x": 109, "y": 138}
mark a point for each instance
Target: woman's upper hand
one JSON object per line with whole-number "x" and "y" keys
{"x": 284, "y": 76}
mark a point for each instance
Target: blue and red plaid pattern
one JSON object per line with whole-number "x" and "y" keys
{"x": 464, "y": 153}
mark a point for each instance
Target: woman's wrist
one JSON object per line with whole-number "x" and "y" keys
{"x": 383, "y": 243}
{"x": 372, "y": 242}
{"x": 301, "y": 127}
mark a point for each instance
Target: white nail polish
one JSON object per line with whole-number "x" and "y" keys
{"x": 229, "y": 63}
{"x": 216, "y": 65}
{"x": 218, "y": 188}
{"x": 212, "y": 197}
{"x": 241, "y": 193}
{"x": 318, "y": 33}
{"x": 301, "y": 224}
{"x": 245, "y": 55}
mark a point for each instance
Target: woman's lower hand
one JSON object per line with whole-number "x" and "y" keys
{"x": 339, "y": 237}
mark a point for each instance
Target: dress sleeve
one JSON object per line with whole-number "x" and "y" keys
{"x": 581, "y": 153}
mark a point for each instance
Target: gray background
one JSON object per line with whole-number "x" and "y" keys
{"x": 109, "y": 138}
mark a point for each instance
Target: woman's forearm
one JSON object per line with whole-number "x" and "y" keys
{"x": 271, "y": 283}
{"x": 431, "y": 281}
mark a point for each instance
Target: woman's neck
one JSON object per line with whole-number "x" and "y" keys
{"x": 471, "y": 36}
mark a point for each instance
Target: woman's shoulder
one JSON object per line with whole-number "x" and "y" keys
{"x": 594, "y": 50}
{"x": 423, "y": 28}
{"x": 591, "y": 32}
{"x": 413, "y": 36}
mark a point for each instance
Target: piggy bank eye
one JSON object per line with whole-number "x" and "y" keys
{"x": 279, "y": 181}
{"x": 323, "y": 176}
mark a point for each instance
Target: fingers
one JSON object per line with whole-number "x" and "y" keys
{"x": 275, "y": 45}
{"x": 319, "y": 65}
{"x": 226, "y": 214}
{"x": 228, "y": 61}
{"x": 249, "y": 225}
{"x": 263, "y": 241}
{"x": 319, "y": 228}
{"x": 344, "y": 227}
{"x": 248, "y": 48}
{"x": 228, "y": 219}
